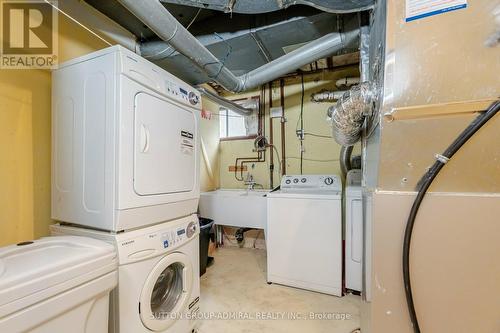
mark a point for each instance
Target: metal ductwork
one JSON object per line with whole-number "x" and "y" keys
{"x": 158, "y": 19}
{"x": 348, "y": 113}
{"x": 364, "y": 53}
{"x": 225, "y": 102}
{"x": 264, "y": 6}
{"x": 347, "y": 82}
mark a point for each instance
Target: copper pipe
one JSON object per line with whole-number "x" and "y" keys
{"x": 271, "y": 140}
{"x": 260, "y": 158}
{"x": 283, "y": 157}
{"x": 252, "y": 158}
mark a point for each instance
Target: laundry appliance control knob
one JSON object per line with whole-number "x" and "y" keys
{"x": 191, "y": 229}
{"x": 193, "y": 98}
{"x": 328, "y": 180}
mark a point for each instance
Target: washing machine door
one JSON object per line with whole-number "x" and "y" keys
{"x": 166, "y": 292}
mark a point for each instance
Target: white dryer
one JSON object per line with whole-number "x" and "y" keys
{"x": 124, "y": 142}
{"x": 304, "y": 233}
{"x": 158, "y": 276}
{"x": 353, "y": 231}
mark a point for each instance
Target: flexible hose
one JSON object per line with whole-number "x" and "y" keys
{"x": 423, "y": 186}
{"x": 345, "y": 159}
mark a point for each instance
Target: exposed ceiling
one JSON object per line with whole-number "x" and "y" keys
{"x": 259, "y": 6}
{"x": 250, "y": 35}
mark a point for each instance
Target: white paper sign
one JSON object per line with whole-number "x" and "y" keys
{"x": 417, "y": 9}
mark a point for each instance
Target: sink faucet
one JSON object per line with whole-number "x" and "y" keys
{"x": 250, "y": 182}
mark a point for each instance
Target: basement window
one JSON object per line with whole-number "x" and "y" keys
{"x": 234, "y": 126}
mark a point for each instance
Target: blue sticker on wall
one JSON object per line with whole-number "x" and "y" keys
{"x": 417, "y": 9}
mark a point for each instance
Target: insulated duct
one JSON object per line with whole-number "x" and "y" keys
{"x": 160, "y": 21}
{"x": 264, "y": 6}
{"x": 347, "y": 82}
{"x": 348, "y": 114}
{"x": 225, "y": 102}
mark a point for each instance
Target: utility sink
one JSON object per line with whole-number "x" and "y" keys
{"x": 236, "y": 208}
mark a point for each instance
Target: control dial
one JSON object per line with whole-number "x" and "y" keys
{"x": 328, "y": 180}
{"x": 193, "y": 98}
{"x": 191, "y": 229}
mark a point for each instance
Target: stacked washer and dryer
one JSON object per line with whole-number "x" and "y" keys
{"x": 126, "y": 171}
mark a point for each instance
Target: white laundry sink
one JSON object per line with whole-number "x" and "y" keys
{"x": 237, "y": 208}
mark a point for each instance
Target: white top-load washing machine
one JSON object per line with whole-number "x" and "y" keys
{"x": 158, "y": 276}
{"x": 353, "y": 231}
{"x": 304, "y": 233}
{"x": 124, "y": 142}
{"x": 56, "y": 284}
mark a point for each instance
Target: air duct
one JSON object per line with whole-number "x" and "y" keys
{"x": 225, "y": 102}
{"x": 364, "y": 53}
{"x": 160, "y": 21}
{"x": 347, "y": 82}
{"x": 348, "y": 114}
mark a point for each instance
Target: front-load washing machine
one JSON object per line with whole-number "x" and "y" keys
{"x": 124, "y": 142}
{"x": 158, "y": 276}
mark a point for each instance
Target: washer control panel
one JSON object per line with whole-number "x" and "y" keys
{"x": 311, "y": 182}
{"x": 156, "y": 240}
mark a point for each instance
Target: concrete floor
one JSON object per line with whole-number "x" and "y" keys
{"x": 236, "y": 286}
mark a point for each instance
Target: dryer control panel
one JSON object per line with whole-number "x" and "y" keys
{"x": 149, "y": 74}
{"x": 311, "y": 182}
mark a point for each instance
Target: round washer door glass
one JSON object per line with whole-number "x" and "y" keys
{"x": 166, "y": 292}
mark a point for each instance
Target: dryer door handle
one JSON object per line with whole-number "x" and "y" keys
{"x": 144, "y": 138}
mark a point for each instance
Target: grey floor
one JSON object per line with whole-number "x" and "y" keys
{"x": 236, "y": 298}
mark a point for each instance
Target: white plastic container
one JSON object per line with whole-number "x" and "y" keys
{"x": 56, "y": 284}
{"x": 353, "y": 231}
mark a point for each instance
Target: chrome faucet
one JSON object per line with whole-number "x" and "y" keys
{"x": 250, "y": 182}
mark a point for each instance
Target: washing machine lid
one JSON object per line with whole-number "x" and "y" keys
{"x": 51, "y": 265}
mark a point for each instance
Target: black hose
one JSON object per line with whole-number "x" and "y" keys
{"x": 422, "y": 186}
